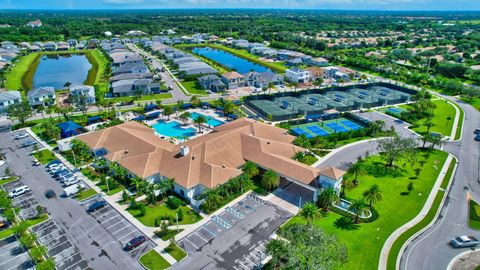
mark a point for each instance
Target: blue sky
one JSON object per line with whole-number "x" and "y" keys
{"x": 295, "y": 4}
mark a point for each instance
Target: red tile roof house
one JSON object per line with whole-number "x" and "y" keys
{"x": 210, "y": 160}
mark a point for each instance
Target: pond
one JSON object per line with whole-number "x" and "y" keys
{"x": 55, "y": 70}
{"x": 229, "y": 60}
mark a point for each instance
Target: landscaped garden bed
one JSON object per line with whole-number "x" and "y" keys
{"x": 154, "y": 261}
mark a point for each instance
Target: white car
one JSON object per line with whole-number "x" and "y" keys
{"x": 70, "y": 181}
{"x": 18, "y": 191}
{"x": 21, "y": 136}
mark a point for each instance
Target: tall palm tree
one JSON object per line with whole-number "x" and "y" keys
{"x": 67, "y": 85}
{"x": 167, "y": 111}
{"x": 184, "y": 117}
{"x": 372, "y": 195}
{"x": 250, "y": 169}
{"x": 310, "y": 212}
{"x": 199, "y": 121}
{"x": 429, "y": 124}
{"x": 270, "y": 180}
{"x": 270, "y": 86}
{"x": 358, "y": 207}
{"x": 357, "y": 169}
{"x": 326, "y": 198}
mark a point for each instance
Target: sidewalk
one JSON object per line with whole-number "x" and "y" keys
{"x": 426, "y": 208}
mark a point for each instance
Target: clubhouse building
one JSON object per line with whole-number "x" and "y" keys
{"x": 209, "y": 160}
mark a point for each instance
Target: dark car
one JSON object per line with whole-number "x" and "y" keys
{"x": 50, "y": 194}
{"x": 135, "y": 242}
{"x": 477, "y": 138}
{"x": 96, "y": 206}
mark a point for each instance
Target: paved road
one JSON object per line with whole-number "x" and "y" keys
{"x": 431, "y": 249}
{"x": 96, "y": 244}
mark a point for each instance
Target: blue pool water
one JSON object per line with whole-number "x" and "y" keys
{"x": 173, "y": 129}
{"x": 210, "y": 121}
{"x": 231, "y": 61}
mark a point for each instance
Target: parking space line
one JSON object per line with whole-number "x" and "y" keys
{"x": 120, "y": 229}
{"x": 69, "y": 256}
{"x": 114, "y": 216}
{"x": 42, "y": 237}
{"x": 13, "y": 258}
{"x": 120, "y": 239}
{"x": 195, "y": 232}
{"x": 208, "y": 230}
{"x": 75, "y": 263}
{"x": 240, "y": 262}
{"x": 186, "y": 238}
{"x": 61, "y": 244}
{"x": 108, "y": 227}
{"x": 246, "y": 258}
{"x": 6, "y": 247}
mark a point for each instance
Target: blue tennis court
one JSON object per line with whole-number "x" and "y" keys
{"x": 317, "y": 130}
{"x": 395, "y": 110}
{"x": 336, "y": 127}
{"x": 351, "y": 125}
{"x": 299, "y": 131}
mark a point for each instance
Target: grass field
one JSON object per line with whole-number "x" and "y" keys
{"x": 8, "y": 180}
{"x": 13, "y": 78}
{"x": 474, "y": 102}
{"x": 176, "y": 252}
{"x": 275, "y": 66}
{"x": 152, "y": 97}
{"x": 87, "y": 193}
{"x": 44, "y": 156}
{"x": 397, "y": 245}
{"x": 460, "y": 122}
{"x": 154, "y": 261}
{"x": 189, "y": 216}
{"x": 96, "y": 75}
{"x": 474, "y": 219}
{"x": 365, "y": 241}
{"x": 441, "y": 112}
{"x": 193, "y": 88}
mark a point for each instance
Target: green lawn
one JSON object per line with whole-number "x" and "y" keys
{"x": 154, "y": 261}
{"x": 275, "y": 66}
{"x": 170, "y": 234}
{"x": 30, "y": 223}
{"x": 190, "y": 216}
{"x": 112, "y": 191}
{"x": 8, "y": 180}
{"x": 193, "y": 88}
{"x": 441, "y": 112}
{"x": 460, "y": 122}
{"x": 44, "y": 156}
{"x": 474, "y": 220}
{"x": 13, "y": 78}
{"x": 176, "y": 252}
{"x": 364, "y": 241}
{"x": 87, "y": 193}
{"x": 96, "y": 75}
{"x": 39, "y": 130}
{"x": 308, "y": 159}
{"x": 475, "y": 102}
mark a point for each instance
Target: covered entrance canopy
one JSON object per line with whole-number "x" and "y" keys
{"x": 295, "y": 193}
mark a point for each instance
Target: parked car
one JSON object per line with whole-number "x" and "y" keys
{"x": 4, "y": 224}
{"x": 21, "y": 136}
{"x": 464, "y": 241}
{"x": 66, "y": 176}
{"x": 56, "y": 161}
{"x": 18, "y": 191}
{"x": 50, "y": 194}
{"x": 70, "y": 181}
{"x": 61, "y": 173}
{"x": 73, "y": 189}
{"x": 477, "y": 138}
{"x": 477, "y": 131}
{"x": 54, "y": 166}
{"x": 96, "y": 206}
{"x": 135, "y": 242}
{"x": 29, "y": 143}
{"x": 36, "y": 163}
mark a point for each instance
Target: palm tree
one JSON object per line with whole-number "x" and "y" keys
{"x": 185, "y": 116}
{"x": 429, "y": 124}
{"x": 326, "y": 198}
{"x": 449, "y": 118}
{"x": 357, "y": 169}
{"x": 310, "y": 212}
{"x": 199, "y": 121}
{"x": 250, "y": 169}
{"x": 167, "y": 111}
{"x": 67, "y": 85}
{"x": 372, "y": 195}
{"x": 270, "y": 180}
{"x": 357, "y": 207}
{"x": 270, "y": 86}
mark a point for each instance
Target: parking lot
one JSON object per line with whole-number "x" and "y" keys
{"x": 60, "y": 248}
{"x": 26, "y": 202}
{"x": 120, "y": 228}
{"x": 234, "y": 239}
{"x": 13, "y": 255}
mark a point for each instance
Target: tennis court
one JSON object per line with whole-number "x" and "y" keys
{"x": 395, "y": 111}
{"x": 314, "y": 129}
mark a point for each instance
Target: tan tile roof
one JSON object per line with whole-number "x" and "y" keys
{"x": 232, "y": 75}
{"x": 212, "y": 159}
{"x": 332, "y": 172}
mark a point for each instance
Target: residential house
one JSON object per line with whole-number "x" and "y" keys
{"x": 128, "y": 76}
{"x": 297, "y": 75}
{"x": 331, "y": 177}
{"x": 83, "y": 92}
{"x": 274, "y": 78}
{"x": 8, "y": 98}
{"x": 294, "y": 62}
{"x": 330, "y": 72}
{"x": 41, "y": 96}
{"x": 131, "y": 68}
{"x": 50, "y": 46}
{"x": 319, "y": 62}
{"x": 134, "y": 87}
{"x": 62, "y": 46}
{"x": 233, "y": 80}
{"x": 196, "y": 68}
{"x": 255, "y": 79}
{"x": 316, "y": 73}
{"x": 34, "y": 24}
{"x": 72, "y": 43}
{"x": 211, "y": 82}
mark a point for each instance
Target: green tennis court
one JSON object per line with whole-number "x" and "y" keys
{"x": 314, "y": 129}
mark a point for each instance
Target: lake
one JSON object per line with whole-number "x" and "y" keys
{"x": 230, "y": 60}
{"x": 56, "y": 70}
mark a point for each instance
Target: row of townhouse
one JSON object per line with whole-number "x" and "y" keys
{"x": 8, "y": 52}
{"x": 186, "y": 63}
{"x": 331, "y": 73}
{"x": 130, "y": 75}
{"x": 233, "y": 80}
{"x": 45, "y": 96}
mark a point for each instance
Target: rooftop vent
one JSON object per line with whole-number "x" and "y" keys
{"x": 184, "y": 150}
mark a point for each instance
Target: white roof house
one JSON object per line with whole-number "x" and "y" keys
{"x": 86, "y": 91}
{"x": 9, "y": 98}
{"x": 41, "y": 96}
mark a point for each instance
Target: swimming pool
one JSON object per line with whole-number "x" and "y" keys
{"x": 210, "y": 121}
{"x": 173, "y": 129}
